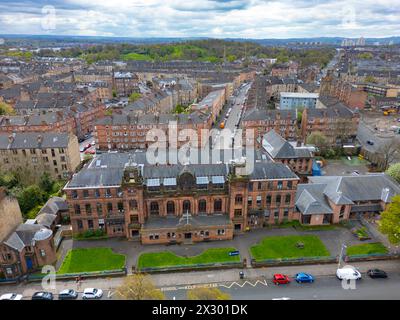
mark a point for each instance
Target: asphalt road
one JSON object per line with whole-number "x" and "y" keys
{"x": 86, "y": 142}
{"x": 324, "y": 288}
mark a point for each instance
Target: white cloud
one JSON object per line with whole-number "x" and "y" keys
{"x": 215, "y": 18}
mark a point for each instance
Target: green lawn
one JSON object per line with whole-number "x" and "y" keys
{"x": 91, "y": 260}
{"x": 286, "y": 247}
{"x": 169, "y": 259}
{"x": 355, "y": 161}
{"x": 366, "y": 248}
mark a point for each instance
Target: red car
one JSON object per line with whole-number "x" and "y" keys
{"x": 281, "y": 279}
{"x": 90, "y": 151}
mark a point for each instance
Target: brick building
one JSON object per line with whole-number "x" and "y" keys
{"x": 125, "y": 197}
{"x": 54, "y": 153}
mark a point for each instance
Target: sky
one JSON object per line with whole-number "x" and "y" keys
{"x": 257, "y": 19}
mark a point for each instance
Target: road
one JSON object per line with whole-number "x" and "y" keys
{"x": 84, "y": 143}
{"x": 324, "y": 288}
{"x": 236, "y": 113}
{"x": 256, "y": 286}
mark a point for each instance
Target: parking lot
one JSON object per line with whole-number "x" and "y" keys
{"x": 381, "y": 124}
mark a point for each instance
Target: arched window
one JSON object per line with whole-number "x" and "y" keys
{"x": 171, "y": 207}
{"x": 154, "y": 208}
{"x": 202, "y": 206}
{"x": 186, "y": 206}
{"x": 218, "y": 205}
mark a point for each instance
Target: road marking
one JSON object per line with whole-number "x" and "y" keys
{"x": 264, "y": 283}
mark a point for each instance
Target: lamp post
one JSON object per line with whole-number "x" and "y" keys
{"x": 341, "y": 253}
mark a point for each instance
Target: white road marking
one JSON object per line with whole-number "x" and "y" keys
{"x": 264, "y": 283}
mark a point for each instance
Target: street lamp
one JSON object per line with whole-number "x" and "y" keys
{"x": 341, "y": 254}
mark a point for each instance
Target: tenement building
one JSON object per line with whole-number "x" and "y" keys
{"x": 54, "y": 153}
{"x": 125, "y": 196}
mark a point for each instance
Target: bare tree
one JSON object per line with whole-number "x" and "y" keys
{"x": 139, "y": 287}
{"x": 390, "y": 151}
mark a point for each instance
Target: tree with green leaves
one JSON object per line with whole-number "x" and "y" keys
{"x": 139, "y": 287}
{"x": 389, "y": 223}
{"x": 30, "y": 197}
{"x": 134, "y": 97}
{"x": 6, "y": 109}
{"x": 207, "y": 294}
{"x": 394, "y": 171}
{"x": 46, "y": 183}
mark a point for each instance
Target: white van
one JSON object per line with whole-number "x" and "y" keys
{"x": 348, "y": 274}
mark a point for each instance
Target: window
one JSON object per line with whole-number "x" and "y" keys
{"x": 171, "y": 207}
{"x": 202, "y": 206}
{"x": 289, "y": 184}
{"x": 259, "y": 201}
{"x": 79, "y": 224}
{"x": 280, "y": 185}
{"x": 109, "y": 207}
{"x": 186, "y": 206}
{"x": 286, "y": 213}
{"x": 221, "y": 232}
{"x": 239, "y": 199}
{"x": 133, "y": 205}
{"x": 77, "y": 209}
{"x": 249, "y": 202}
{"x": 99, "y": 208}
{"x": 85, "y": 193}
{"x": 120, "y": 207}
{"x": 238, "y": 212}
{"x": 278, "y": 200}
{"x": 108, "y": 193}
{"x": 90, "y": 224}
{"x": 97, "y": 193}
{"x": 218, "y": 205}
{"x": 88, "y": 209}
{"x": 154, "y": 208}
{"x": 269, "y": 200}
{"x": 63, "y": 159}
{"x": 288, "y": 198}
{"x": 74, "y": 194}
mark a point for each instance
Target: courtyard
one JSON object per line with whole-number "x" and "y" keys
{"x": 267, "y": 243}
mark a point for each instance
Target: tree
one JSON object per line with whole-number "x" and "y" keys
{"x": 394, "y": 171}
{"x": 6, "y": 109}
{"x": 139, "y": 287}
{"x": 134, "y": 97}
{"x": 30, "y": 197}
{"x": 389, "y": 152}
{"x": 207, "y": 294}
{"x": 389, "y": 223}
{"x": 318, "y": 139}
{"x": 46, "y": 183}
{"x": 370, "y": 79}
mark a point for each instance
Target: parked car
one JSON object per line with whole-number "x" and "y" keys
{"x": 89, "y": 145}
{"x": 348, "y": 274}
{"x": 377, "y": 273}
{"x": 82, "y": 149}
{"x": 11, "y": 296}
{"x": 90, "y": 151}
{"x": 68, "y": 294}
{"x": 281, "y": 279}
{"x": 304, "y": 277}
{"x": 42, "y": 295}
{"x": 92, "y": 293}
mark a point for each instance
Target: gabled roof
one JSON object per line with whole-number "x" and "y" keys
{"x": 279, "y": 148}
{"x": 310, "y": 199}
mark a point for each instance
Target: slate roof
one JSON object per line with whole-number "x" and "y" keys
{"x": 30, "y": 140}
{"x": 27, "y": 235}
{"x": 271, "y": 170}
{"x": 310, "y": 199}
{"x": 54, "y": 205}
{"x": 279, "y": 148}
{"x": 350, "y": 189}
{"x": 255, "y": 114}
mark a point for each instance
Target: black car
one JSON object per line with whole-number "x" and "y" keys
{"x": 42, "y": 296}
{"x": 376, "y": 273}
{"x": 371, "y": 143}
{"x": 68, "y": 294}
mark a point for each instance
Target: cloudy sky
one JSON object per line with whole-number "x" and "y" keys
{"x": 202, "y": 18}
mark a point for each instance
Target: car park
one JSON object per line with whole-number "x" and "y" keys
{"x": 68, "y": 294}
{"x": 377, "y": 273}
{"x": 304, "y": 278}
{"x": 348, "y": 274}
{"x": 92, "y": 293}
{"x": 280, "y": 279}
{"x": 42, "y": 295}
{"x": 11, "y": 296}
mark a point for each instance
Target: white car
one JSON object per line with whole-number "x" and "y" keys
{"x": 92, "y": 293}
{"x": 11, "y": 296}
{"x": 348, "y": 274}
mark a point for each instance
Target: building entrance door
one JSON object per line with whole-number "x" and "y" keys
{"x": 188, "y": 236}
